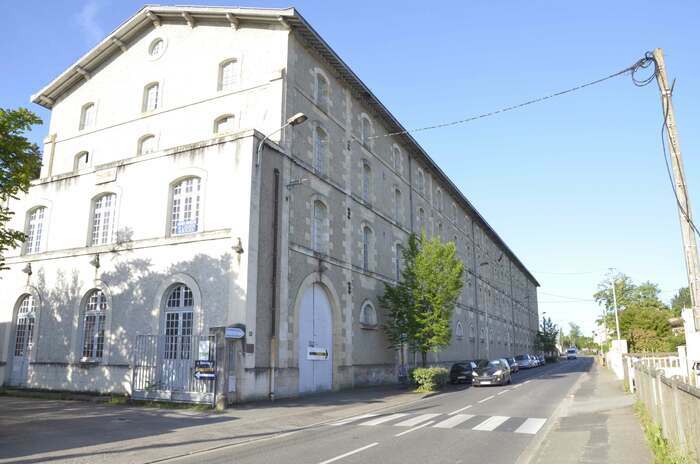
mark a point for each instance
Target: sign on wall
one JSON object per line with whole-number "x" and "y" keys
{"x": 315, "y": 353}
{"x": 204, "y": 350}
{"x": 204, "y": 370}
{"x": 234, "y": 332}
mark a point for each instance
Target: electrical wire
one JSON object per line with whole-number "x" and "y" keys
{"x": 642, "y": 63}
{"x": 573, "y": 298}
{"x": 570, "y": 273}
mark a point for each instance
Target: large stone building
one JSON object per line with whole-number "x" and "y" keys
{"x": 159, "y": 215}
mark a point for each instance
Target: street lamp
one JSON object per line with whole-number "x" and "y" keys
{"x": 295, "y": 120}
{"x": 617, "y": 319}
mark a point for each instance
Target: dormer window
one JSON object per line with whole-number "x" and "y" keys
{"x": 87, "y": 116}
{"x": 151, "y": 97}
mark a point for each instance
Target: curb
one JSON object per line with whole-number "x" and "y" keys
{"x": 528, "y": 454}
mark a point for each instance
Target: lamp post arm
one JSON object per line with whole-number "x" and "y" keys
{"x": 262, "y": 142}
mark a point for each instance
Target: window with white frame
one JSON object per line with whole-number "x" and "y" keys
{"x": 179, "y": 322}
{"x": 366, "y": 244}
{"x": 320, "y": 150}
{"x": 319, "y": 228}
{"x": 224, "y": 124}
{"x": 94, "y": 315}
{"x": 366, "y": 180}
{"x": 151, "y": 97}
{"x": 147, "y": 144}
{"x": 24, "y": 329}
{"x": 365, "y": 130}
{"x": 87, "y": 116}
{"x": 184, "y": 213}
{"x": 81, "y": 161}
{"x": 368, "y": 316}
{"x": 35, "y": 230}
{"x": 322, "y": 91}
{"x": 229, "y": 71}
{"x": 103, "y": 210}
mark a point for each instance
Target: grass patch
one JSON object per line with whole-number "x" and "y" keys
{"x": 664, "y": 452}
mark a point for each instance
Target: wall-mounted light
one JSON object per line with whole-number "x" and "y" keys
{"x": 238, "y": 247}
{"x": 28, "y": 269}
{"x": 95, "y": 261}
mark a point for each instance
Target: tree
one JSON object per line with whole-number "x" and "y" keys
{"x": 575, "y": 334}
{"x": 20, "y": 162}
{"x": 681, "y": 300}
{"x": 546, "y": 337}
{"x": 419, "y": 309}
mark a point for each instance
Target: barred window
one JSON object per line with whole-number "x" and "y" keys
{"x": 184, "y": 214}
{"x": 94, "y": 325}
{"x": 103, "y": 219}
{"x": 35, "y": 230}
{"x": 179, "y": 319}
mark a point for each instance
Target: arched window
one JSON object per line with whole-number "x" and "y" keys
{"x": 454, "y": 213}
{"x": 151, "y": 97}
{"x": 320, "y": 150}
{"x": 366, "y": 243}
{"x": 81, "y": 161}
{"x": 322, "y": 91}
{"x": 147, "y": 144}
{"x": 179, "y": 321}
{"x": 228, "y": 74}
{"x": 421, "y": 220}
{"x": 421, "y": 182}
{"x": 397, "y": 205}
{"x": 366, "y": 180}
{"x": 397, "y": 261}
{"x": 103, "y": 209}
{"x": 438, "y": 200}
{"x": 368, "y": 316}
{"x": 224, "y": 124}
{"x": 319, "y": 228}
{"x": 34, "y": 230}
{"x": 156, "y": 48}
{"x": 471, "y": 331}
{"x": 87, "y": 116}
{"x": 26, "y": 316}
{"x": 365, "y": 130}
{"x": 94, "y": 325}
{"x": 396, "y": 155}
{"x": 459, "y": 331}
{"x": 184, "y": 213}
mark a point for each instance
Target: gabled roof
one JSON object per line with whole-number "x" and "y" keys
{"x": 153, "y": 15}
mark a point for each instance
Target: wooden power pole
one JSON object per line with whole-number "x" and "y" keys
{"x": 690, "y": 246}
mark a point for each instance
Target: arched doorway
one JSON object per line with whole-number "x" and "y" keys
{"x": 178, "y": 343}
{"x": 23, "y": 340}
{"x": 315, "y": 341}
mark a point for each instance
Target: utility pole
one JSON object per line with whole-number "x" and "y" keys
{"x": 617, "y": 319}
{"x": 689, "y": 244}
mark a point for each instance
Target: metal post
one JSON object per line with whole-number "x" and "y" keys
{"x": 617, "y": 319}
{"x": 684, "y": 211}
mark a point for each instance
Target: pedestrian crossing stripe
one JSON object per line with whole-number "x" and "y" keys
{"x": 521, "y": 425}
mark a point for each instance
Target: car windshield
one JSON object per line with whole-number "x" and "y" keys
{"x": 481, "y": 363}
{"x": 495, "y": 363}
{"x": 571, "y": 350}
{"x": 521, "y": 357}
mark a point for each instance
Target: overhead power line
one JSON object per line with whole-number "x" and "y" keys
{"x": 573, "y": 298}
{"x": 639, "y": 64}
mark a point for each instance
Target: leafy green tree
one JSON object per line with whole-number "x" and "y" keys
{"x": 419, "y": 309}
{"x": 681, "y": 300}
{"x": 546, "y": 337}
{"x": 575, "y": 334}
{"x": 20, "y": 162}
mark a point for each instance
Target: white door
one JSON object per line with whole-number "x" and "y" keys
{"x": 177, "y": 355}
{"x": 315, "y": 338}
{"x": 24, "y": 331}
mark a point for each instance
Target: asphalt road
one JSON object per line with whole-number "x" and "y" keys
{"x": 470, "y": 424}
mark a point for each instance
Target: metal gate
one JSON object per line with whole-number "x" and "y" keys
{"x": 163, "y": 368}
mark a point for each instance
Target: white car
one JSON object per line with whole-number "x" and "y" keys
{"x": 571, "y": 353}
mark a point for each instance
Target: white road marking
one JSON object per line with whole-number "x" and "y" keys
{"x": 416, "y": 420}
{"x": 485, "y": 399}
{"x": 526, "y": 381}
{"x": 518, "y": 385}
{"x": 413, "y": 429}
{"x": 459, "y": 410}
{"x": 453, "y": 421}
{"x": 353, "y": 419}
{"x": 491, "y": 423}
{"x": 531, "y": 426}
{"x": 383, "y": 419}
{"x": 502, "y": 392}
{"x": 349, "y": 453}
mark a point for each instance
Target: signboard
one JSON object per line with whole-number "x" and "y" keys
{"x": 204, "y": 350}
{"x": 204, "y": 370}
{"x": 185, "y": 227}
{"x": 105, "y": 175}
{"x": 315, "y": 353}
{"x": 234, "y": 332}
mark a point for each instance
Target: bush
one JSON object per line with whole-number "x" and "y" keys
{"x": 430, "y": 378}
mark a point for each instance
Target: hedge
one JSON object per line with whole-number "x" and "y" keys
{"x": 430, "y": 378}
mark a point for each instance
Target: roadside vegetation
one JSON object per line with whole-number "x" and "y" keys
{"x": 664, "y": 452}
{"x": 429, "y": 379}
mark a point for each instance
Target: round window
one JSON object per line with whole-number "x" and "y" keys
{"x": 156, "y": 48}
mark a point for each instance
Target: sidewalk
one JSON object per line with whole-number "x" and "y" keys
{"x": 33, "y": 430}
{"x": 596, "y": 424}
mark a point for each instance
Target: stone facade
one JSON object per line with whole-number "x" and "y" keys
{"x": 329, "y": 204}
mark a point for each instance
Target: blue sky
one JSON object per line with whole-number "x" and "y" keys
{"x": 574, "y": 185}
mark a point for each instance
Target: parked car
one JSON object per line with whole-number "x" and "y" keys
{"x": 524, "y": 361}
{"x": 533, "y": 360}
{"x": 513, "y": 364}
{"x": 571, "y": 353}
{"x": 494, "y": 372}
{"x": 540, "y": 358}
{"x": 462, "y": 371}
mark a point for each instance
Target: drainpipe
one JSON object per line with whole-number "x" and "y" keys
{"x": 273, "y": 282}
